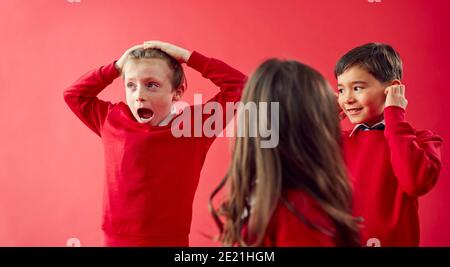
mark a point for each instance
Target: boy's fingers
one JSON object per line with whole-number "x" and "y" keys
{"x": 398, "y": 90}
{"x": 149, "y": 42}
{"x": 149, "y": 45}
{"x": 394, "y": 90}
{"x": 135, "y": 47}
{"x": 153, "y": 44}
{"x": 402, "y": 89}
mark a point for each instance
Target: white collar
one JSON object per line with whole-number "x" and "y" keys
{"x": 355, "y": 129}
{"x": 172, "y": 113}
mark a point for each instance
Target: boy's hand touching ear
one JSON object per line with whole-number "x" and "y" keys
{"x": 119, "y": 63}
{"x": 395, "y": 96}
{"x": 180, "y": 54}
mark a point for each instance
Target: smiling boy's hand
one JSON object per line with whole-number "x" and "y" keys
{"x": 395, "y": 96}
{"x": 180, "y": 54}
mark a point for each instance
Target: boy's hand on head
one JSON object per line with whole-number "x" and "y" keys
{"x": 180, "y": 54}
{"x": 395, "y": 96}
{"x": 119, "y": 63}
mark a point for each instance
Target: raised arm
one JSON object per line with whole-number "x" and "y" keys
{"x": 81, "y": 96}
{"x": 415, "y": 155}
{"x": 229, "y": 80}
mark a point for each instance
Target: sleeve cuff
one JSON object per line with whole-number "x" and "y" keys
{"x": 109, "y": 72}
{"x": 393, "y": 114}
{"x": 197, "y": 61}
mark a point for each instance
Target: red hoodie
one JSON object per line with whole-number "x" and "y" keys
{"x": 151, "y": 176}
{"x": 389, "y": 170}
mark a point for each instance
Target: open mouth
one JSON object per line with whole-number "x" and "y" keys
{"x": 353, "y": 111}
{"x": 145, "y": 114}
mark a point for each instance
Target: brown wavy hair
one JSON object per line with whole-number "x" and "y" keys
{"x": 308, "y": 157}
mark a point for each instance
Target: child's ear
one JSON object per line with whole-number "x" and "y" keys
{"x": 393, "y": 82}
{"x": 396, "y": 82}
{"x": 178, "y": 93}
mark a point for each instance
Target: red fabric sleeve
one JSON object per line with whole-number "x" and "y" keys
{"x": 81, "y": 96}
{"x": 415, "y": 155}
{"x": 230, "y": 82}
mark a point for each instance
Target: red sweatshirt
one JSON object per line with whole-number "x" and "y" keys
{"x": 151, "y": 176}
{"x": 390, "y": 169}
{"x": 285, "y": 229}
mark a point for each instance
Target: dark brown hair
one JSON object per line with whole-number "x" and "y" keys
{"x": 380, "y": 60}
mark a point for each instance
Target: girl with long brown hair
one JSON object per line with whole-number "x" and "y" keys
{"x": 295, "y": 193}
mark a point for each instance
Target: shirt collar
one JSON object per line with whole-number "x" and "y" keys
{"x": 357, "y": 127}
{"x": 172, "y": 113}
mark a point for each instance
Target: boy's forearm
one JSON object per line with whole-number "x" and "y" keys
{"x": 220, "y": 73}
{"x": 415, "y": 156}
{"x": 93, "y": 82}
{"x": 81, "y": 96}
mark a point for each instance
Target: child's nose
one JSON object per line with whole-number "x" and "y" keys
{"x": 140, "y": 95}
{"x": 349, "y": 98}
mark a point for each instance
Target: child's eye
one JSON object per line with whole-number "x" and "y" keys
{"x": 357, "y": 88}
{"x": 340, "y": 91}
{"x": 152, "y": 85}
{"x": 130, "y": 85}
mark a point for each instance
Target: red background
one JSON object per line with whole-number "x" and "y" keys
{"x": 51, "y": 165}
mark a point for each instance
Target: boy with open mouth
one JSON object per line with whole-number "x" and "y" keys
{"x": 151, "y": 176}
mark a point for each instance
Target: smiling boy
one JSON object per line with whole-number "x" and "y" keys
{"x": 390, "y": 163}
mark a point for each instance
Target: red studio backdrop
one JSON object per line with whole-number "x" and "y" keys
{"x": 51, "y": 165}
